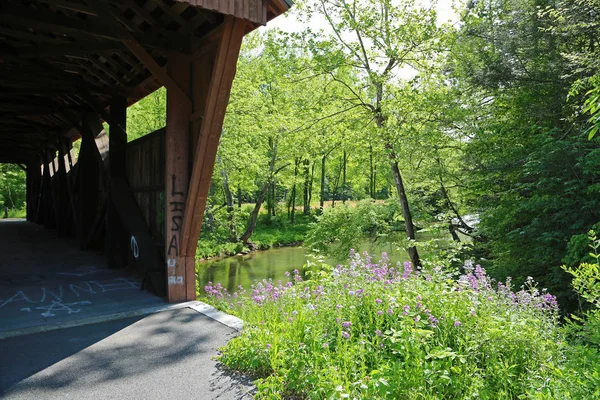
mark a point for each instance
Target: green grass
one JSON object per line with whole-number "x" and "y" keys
{"x": 17, "y": 212}
{"x": 269, "y": 232}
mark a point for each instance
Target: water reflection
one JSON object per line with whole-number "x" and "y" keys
{"x": 244, "y": 270}
{"x": 231, "y": 272}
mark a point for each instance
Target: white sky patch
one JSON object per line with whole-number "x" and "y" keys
{"x": 290, "y": 22}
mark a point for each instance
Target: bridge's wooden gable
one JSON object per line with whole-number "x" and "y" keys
{"x": 68, "y": 65}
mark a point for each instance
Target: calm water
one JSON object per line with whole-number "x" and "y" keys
{"x": 232, "y": 272}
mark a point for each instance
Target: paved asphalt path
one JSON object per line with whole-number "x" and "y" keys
{"x": 167, "y": 355}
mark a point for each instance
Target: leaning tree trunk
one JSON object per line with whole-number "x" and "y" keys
{"x": 409, "y": 226}
{"x": 254, "y": 215}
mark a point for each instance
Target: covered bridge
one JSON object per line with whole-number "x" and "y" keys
{"x": 70, "y": 68}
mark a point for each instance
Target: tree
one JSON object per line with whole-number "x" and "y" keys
{"x": 370, "y": 42}
{"x": 532, "y": 173}
{"x": 12, "y": 186}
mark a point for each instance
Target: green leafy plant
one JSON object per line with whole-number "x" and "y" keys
{"x": 374, "y": 329}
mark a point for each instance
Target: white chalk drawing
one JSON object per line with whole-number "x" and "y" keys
{"x": 19, "y": 296}
{"x": 81, "y": 271}
{"x": 115, "y": 284}
{"x": 81, "y": 287}
{"x": 135, "y": 249}
{"x": 171, "y": 264}
{"x": 58, "y": 296}
{"x": 51, "y": 300}
{"x": 176, "y": 280}
{"x": 57, "y": 306}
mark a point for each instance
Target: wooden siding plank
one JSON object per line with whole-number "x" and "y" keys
{"x": 251, "y": 10}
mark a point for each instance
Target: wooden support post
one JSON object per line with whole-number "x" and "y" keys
{"x": 67, "y": 149}
{"x": 212, "y": 102}
{"x": 88, "y": 182}
{"x": 177, "y": 139}
{"x": 134, "y": 225}
{"x": 116, "y": 239}
{"x": 63, "y": 199}
{"x": 34, "y": 182}
{"x": 39, "y": 211}
{"x": 47, "y": 206}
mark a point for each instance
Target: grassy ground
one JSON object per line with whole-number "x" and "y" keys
{"x": 269, "y": 232}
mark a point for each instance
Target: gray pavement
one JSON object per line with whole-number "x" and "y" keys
{"x": 47, "y": 281}
{"x": 167, "y": 355}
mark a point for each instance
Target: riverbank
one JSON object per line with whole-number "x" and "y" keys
{"x": 269, "y": 233}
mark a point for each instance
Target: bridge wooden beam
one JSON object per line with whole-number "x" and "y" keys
{"x": 177, "y": 139}
{"x": 196, "y": 126}
{"x": 117, "y": 240}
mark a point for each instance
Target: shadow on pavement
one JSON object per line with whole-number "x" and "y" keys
{"x": 164, "y": 355}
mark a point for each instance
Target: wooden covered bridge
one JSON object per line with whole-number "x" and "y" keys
{"x": 70, "y": 68}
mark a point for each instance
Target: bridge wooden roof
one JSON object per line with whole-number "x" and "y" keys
{"x": 59, "y": 58}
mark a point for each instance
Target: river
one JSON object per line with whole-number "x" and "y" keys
{"x": 244, "y": 270}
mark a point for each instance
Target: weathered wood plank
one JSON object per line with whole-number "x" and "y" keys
{"x": 149, "y": 260}
{"x": 251, "y": 10}
{"x": 177, "y": 176}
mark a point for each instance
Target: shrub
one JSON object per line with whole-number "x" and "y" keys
{"x": 376, "y": 330}
{"x": 341, "y": 228}
{"x": 581, "y": 375}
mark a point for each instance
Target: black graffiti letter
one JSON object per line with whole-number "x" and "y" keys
{"x": 173, "y": 245}
{"x": 173, "y": 192}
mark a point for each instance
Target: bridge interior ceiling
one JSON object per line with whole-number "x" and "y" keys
{"x": 62, "y": 58}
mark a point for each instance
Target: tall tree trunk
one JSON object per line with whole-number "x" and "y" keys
{"x": 293, "y": 198}
{"x": 336, "y": 186}
{"x": 322, "y": 197}
{"x": 228, "y": 202}
{"x": 375, "y": 183}
{"x": 310, "y": 187}
{"x": 345, "y": 159}
{"x": 408, "y": 222}
{"x": 254, "y": 215}
{"x": 306, "y": 187}
{"x": 371, "y": 173}
{"x": 270, "y": 203}
{"x": 273, "y": 197}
